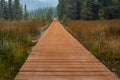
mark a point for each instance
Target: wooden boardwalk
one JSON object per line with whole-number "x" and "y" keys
{"x": 59, "y": 56}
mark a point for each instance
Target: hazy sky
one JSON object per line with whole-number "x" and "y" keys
{"x": 34, "y": 4}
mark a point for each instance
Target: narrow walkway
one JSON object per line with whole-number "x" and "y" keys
{"x": 58, "y": 56}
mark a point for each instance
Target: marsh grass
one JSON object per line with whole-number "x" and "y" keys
{"x": 102, "y": 38}
{"x": 15, "y": 43}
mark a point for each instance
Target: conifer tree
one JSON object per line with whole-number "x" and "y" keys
{"x": 61, "y": 9}
{"x": 10, "y": 10}
{"x": 17, "y": 10}
{"x": 1, "y": 10}
{"x": 49, "y": 15}
{"x": 25, "y": 12}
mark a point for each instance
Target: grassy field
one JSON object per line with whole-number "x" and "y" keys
{"x": 15, "y": 45}
{"x": 102, "y": 38}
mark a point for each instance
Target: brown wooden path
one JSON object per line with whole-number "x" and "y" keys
{"x": 59, "y": 56}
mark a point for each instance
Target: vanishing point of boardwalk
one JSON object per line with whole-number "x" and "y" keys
{"x": 59, "y": 56}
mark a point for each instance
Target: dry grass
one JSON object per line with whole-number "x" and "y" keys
{"x": 102, "y": 38}
{"x": 15, "y": 45}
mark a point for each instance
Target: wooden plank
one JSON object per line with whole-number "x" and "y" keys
{"x": 59, "y": 56}
{"x": 19, "y": 77}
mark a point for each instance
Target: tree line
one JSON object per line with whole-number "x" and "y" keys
{"x": 43, "y": 13}
{"x": 12, "y": 10}
{"x": 88, "y": 9}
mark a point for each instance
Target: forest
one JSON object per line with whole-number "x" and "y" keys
{"x": 43, "y": 13}
{"x": 88, "y": 9}
{"x": 12, "y": 10}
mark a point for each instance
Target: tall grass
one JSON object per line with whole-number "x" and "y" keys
{"x": 102, "y": 38}
{"x": 15, "y": 45}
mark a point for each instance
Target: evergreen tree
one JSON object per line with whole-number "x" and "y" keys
{"x": 20, "y": 13}
{"x": 71, "y": 10}
{"x": 105, "y": 3}
{"x": 17, "y": 10}
{"x": 89, "y": 9}
{"x": 1, "y": 10}
{"x": 61, "y": 9}
{"x": 49, "y": 15}
{"x": 78, "y": 9}
{"x": 6, "y": 11}
{"x": 10, "y": 10}
{"x": 110, "y": 9}
{"x": 25, "y": 13}
{"x": 41, "y": 13}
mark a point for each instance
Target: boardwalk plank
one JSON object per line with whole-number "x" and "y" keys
{"x": 59, "y": 56}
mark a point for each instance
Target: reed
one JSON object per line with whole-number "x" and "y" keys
{"x": 102, "y": 38}
{"x": 15, "y": 45}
